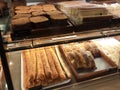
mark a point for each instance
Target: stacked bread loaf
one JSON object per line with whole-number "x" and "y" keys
{"x": 41, "y": 67}
{"x": 42, "y": 15}
{"x": 81, "y": 55}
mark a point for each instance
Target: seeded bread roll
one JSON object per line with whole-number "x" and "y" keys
{"x": 39, "y": 21}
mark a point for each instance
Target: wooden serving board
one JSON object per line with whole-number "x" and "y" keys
{"x": 104, "y": 66}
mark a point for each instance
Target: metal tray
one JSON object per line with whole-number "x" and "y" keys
{"x": 51, "y": 86}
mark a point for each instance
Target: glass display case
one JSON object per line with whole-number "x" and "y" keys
{"x": 51, "y": 41}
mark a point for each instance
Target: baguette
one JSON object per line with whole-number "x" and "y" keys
{"x": 33, "y": 65}
{"x": 47, "y": 69}
{"x": 51, "y": 63}
{"x": 26, "y": 81}
{"x": 30, "y": 74}
{"x": 57, "y": 65}
{"x": 40, "y": 69}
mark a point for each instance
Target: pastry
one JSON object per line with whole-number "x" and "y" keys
{"x": 21, "y": 24}
{"x": 59, "y": 19}
{"x": 39, "y": 21}
{"x": 49, "y": 7}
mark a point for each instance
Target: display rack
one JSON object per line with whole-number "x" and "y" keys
{"x": 5, "y": 65}
{"x": 55, "y": 40}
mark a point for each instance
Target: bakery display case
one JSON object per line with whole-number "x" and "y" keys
{"x": 45, "y": 49}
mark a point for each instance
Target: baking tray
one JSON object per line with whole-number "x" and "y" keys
{"x": 104, "y": 66}
{"x": 53, "y": 85}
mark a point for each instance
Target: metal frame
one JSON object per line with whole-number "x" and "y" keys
{"x": 5, "y": 65}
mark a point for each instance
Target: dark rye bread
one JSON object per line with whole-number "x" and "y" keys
{"x": 59, "y": 19}
{"x": 21, "y": 24}
{"x": 39, "y": 21}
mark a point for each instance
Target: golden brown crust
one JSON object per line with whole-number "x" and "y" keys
{"x": 47, "y": 69}
{"x": 21, "y": 16}
{"x": 38, "y": 13}
{"x": 40, "y": 70}
{"x": 33, "y": 65}
{"x": 30, "y": 74}
{"x": 26, "y": 81}
{"x": 51, "y": 63}
{"x": 22, "y": 8}
{"x": 57, "y": 65}
{"x": 38, "y": 19}
{"x": 49, "y": 7}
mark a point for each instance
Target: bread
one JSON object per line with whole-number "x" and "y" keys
{"x": 22, "y": 7}
{"x": 33, "y": 66}
{"x": 57, "y": 65}
{"x": 53, "y": 12}
{"x": 29, "y": 70}
{"x": 51, "y": 63}
{"x": 90, "y": 46}
{"x": 26, "y": 78}
{"x": 46, "y": 65}
{"x": 41, "y": 67}
{"x": 38, "y": 13}
{"x": 23, "y": 11}
{"x": 59, "y": 19}
{"x": 21, "y": 24}
{"x": 39, "y": 21}
{"x": 36, "y": 7}
{"x": 78, "y": 56}
{"x": 21, "y": 16}
{"x": 48, "y": 7}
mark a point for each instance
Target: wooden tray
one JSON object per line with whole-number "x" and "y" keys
{"x": 52, "y": 85}
{"x": 104, "y": 66}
